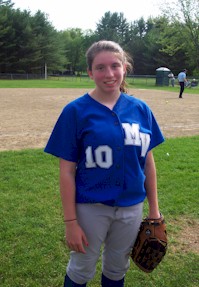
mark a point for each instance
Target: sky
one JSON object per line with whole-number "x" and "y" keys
{"x": 85, "y": 14}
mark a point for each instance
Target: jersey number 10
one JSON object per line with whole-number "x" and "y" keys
{"x": 101, "y": 157}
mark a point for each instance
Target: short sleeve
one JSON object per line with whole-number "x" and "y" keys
{"x": 63, "y": 141}
{"x": 156, "y": 134}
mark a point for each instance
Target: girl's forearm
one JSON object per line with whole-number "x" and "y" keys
{"x": 67, "y": 189}
{"x": 151, "y": 186}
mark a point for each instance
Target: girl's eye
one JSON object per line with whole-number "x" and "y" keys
{"x": 99, "y": 68}
{"x": 116, "y": 65}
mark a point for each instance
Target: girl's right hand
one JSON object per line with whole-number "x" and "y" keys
{"x": 75, "y": 237}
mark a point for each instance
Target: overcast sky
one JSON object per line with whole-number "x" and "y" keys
{"x": 85, "y": 14}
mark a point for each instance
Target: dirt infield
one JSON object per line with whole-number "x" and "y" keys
{"x": 28, "y": 115}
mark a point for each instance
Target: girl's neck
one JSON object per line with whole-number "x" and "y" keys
{"x": 108, "y": 100}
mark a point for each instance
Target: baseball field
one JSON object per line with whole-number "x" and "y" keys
{"x": 28, "y": 115}
{"x": 33, "y": 252}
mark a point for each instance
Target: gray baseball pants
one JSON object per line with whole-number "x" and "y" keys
{"x": 116, "y": 229}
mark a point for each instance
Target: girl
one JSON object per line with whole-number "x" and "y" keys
{"x": 104, "y": 141}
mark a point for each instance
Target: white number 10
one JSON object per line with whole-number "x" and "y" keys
{"x": 101, "y": 157}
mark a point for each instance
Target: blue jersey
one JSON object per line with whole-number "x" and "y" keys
{"x": 109, "y": 147}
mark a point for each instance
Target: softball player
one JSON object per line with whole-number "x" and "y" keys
{"x": 104, "y": 141}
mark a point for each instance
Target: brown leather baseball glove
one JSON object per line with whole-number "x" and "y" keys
{"x": 151, "y": 244}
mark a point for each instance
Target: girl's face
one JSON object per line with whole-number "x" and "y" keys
{"x": 107, "y": 72}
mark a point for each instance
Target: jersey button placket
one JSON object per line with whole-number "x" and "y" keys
{"x": 116, "y": 122}
{"x": 118, "y": 181}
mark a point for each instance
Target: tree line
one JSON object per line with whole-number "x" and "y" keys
{"x": 29, "y": 42}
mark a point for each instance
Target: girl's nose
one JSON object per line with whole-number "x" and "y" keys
{"x": 109, "y": 71}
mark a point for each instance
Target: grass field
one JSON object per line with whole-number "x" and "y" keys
{"x": 85, "y": 82}
{"x": 32, "y": 246}
{"x": 33, "y": 251}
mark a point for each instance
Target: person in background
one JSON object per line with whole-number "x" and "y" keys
{"x": 104, "y": 141}
{"x": 172, "y": 79}
{"x": 182, "y": 79}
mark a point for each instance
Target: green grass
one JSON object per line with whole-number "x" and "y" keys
{"x": 85, "y": 82}
{"x": 32, "y": 249}
{"x": 67, "y": 82}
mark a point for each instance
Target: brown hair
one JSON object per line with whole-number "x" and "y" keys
{"x": 110, "y": 46}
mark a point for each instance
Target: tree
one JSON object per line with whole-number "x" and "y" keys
{"x": 183, "y": 37}
{"x": 135, "y": 46}
{"x": 7, "y": 38}
{"x": 73, "y": 48}
{"x": 24, "y": 49}
{"x": 7, "y": 3}
{"x": 153, "y": 54}
{"x": 113, "y": 27}
{"x": 48, "y": 47}
{"x": 27, "y": 42}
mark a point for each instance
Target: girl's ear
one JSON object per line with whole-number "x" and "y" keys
{"x": 125, "y": 69}
{"x": 89, "y": 72}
